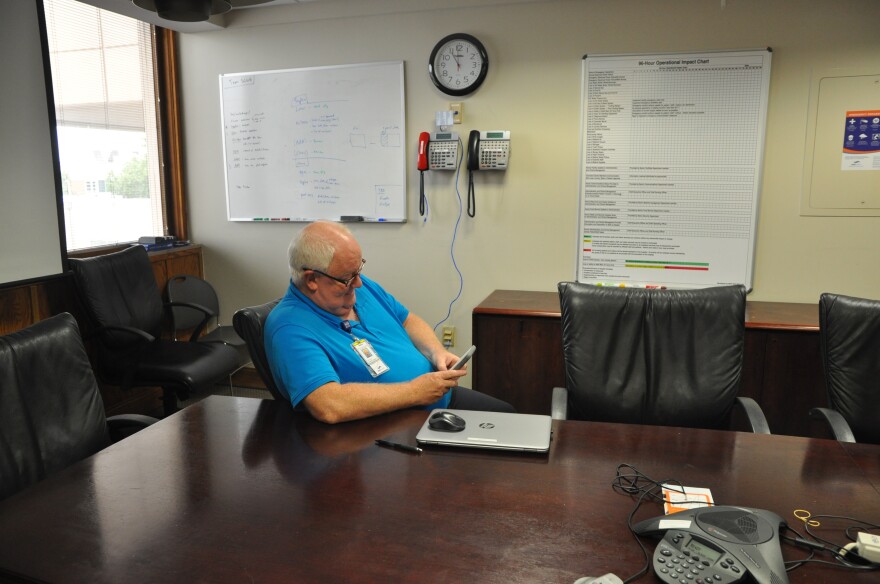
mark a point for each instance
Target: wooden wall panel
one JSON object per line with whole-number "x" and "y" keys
{"x": 15, "y": 309}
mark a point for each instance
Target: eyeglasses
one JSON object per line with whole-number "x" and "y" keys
{"x": 347, "y": 282}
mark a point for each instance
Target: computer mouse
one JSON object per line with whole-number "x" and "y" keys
{"x": 446, "y": 422}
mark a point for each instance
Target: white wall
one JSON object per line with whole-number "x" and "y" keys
{"x": 524, "y": 234}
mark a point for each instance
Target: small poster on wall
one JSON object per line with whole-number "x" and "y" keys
{"x": 861, "y": 141}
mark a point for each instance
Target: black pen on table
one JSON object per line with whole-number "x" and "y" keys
{"x": 396, "y": 446}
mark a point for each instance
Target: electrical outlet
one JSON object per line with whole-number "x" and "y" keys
{"x": 457, "y": 108}
{"x": 448, "y": 338}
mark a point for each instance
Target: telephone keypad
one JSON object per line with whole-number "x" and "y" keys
{"x": 442, "y": 155}
{"x": 494, "y": 154}
{"x": 679, "y": 566}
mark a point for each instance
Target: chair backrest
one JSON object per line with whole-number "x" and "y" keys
{"x": 849, "y": 342}
{"x": 249, "y": 323}
{"x": 663, "y": 357}
{"x": 51, "y": 413}
{"x": 120, "y": 289}
{"x": 192, "y": 289}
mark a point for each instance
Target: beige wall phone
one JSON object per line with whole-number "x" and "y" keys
{"x": 485, "y": 151}
{"x": 490, "y": 150}
{"x": 443, "y": 151}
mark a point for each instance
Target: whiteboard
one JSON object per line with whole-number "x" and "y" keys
{"x": 315, "y": 143}
{"x": 32, "y": 221}
{"x": 672, "y": 150}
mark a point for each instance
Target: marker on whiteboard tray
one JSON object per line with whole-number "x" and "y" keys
{"x": 355, "y": 218}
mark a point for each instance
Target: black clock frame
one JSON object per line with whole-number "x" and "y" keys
{"x": 484, "y": 70}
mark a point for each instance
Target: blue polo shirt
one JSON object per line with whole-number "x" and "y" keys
{"x": 307, "y": 346}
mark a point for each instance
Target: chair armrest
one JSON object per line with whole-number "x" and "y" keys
{"x": 839, "y": 426}
{"x": 559, "y": 404}
{"x": 754, "y": 413}
{"x": 124, "y": 425}
{"x": 143, "y": 335}
{"x": 197, "y": 332}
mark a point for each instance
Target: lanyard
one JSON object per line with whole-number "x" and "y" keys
{"x": 346, "y": 326}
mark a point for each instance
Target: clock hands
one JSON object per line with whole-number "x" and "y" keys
{"x": 455, "y": 57}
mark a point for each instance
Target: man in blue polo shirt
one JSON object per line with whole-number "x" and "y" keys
{"x": 345, "y": 348}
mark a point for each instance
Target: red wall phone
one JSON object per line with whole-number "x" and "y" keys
{"x": 422, "y": 165}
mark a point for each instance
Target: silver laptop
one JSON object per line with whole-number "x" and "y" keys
{"x": 492, "y": 430}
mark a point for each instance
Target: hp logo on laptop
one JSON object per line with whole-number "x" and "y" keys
{"x": 487, "y": 425}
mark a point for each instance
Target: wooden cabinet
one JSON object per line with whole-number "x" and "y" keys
{"x": 519, "y": 338}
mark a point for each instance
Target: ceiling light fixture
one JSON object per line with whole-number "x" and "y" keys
{"x": 192, "y": 10}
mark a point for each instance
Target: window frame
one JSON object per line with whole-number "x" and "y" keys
{"x": 170, "y": 136}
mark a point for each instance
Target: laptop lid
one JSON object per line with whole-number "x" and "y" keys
{"x": 492, "y": 430}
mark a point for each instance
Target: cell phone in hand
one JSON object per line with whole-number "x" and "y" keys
{"x": 464, "y": 359}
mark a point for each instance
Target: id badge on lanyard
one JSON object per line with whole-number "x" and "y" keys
{"x": 366, "y": 352}
{"x": 368, "y": 355}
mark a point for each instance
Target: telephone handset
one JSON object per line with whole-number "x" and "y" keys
{"x": 472, "y": 164}
{"x": 422, "y": 165}
{"x": 473, "y": 150}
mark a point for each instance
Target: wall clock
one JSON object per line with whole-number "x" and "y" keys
{"x": 458, "y": 64}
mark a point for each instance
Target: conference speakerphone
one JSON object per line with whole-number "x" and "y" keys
{"x": 717, "y": 545}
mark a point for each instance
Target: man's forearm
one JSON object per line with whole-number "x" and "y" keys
{"x": 336, "y": 402}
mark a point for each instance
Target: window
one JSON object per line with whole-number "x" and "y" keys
{"x": 110, "y": 150}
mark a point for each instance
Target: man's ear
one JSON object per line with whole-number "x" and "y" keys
{"x": 310, "y": 281}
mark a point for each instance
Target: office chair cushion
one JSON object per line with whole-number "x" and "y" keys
{"x": 120, "y": 289}
{"x": 849, "y": 341}
{"x": 51, "y": 413}
{"x": 184, "y": 365}
{"x": 665, "y": 357}
{"x": 249, "y": 323}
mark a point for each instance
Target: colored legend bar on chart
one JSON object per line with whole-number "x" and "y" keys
{"x": 661, "y": 265}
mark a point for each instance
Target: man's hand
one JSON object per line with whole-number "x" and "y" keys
{"x": 430, "y": 387}
{"x": 443, "y": 360}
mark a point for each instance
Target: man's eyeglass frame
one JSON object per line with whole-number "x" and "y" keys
{"x": 347, "y": 283}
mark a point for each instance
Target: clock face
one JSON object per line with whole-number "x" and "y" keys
{"x": 458, "y": 64}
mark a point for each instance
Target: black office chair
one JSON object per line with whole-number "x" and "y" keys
{"x": 51, "y": 413}
{"x": 195, "y": 307}
{"x": 660, "y": 357}
{"x": 249, "y": 323}
{"x": 124, "y": 305}
{"x": 849, "y": 345}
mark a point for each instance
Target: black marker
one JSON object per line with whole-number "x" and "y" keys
{"x": 396, "y": 446}
{"x": 347, "y": 218}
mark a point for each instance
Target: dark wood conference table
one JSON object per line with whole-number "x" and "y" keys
{"x": 246, "y": 490}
